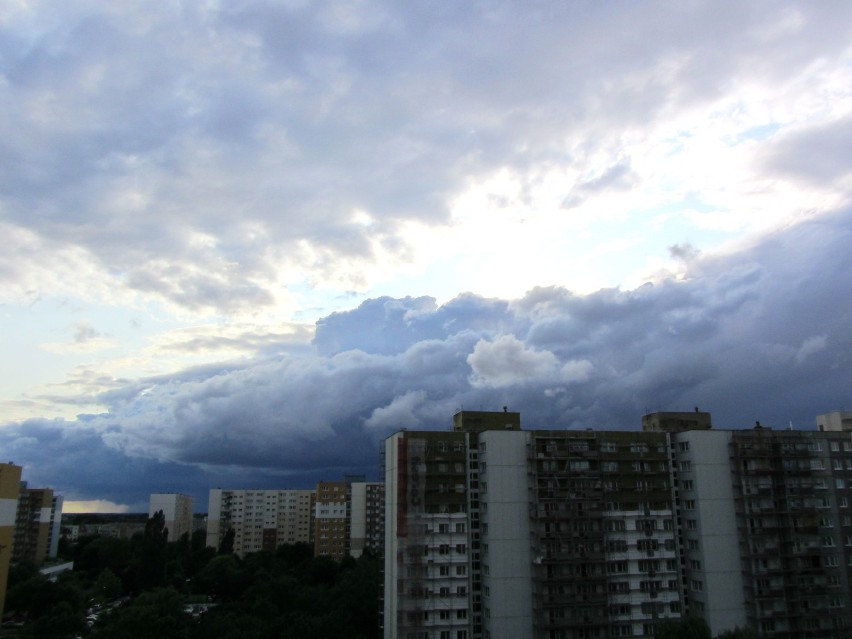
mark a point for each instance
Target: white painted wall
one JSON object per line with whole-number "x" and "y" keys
{"x": 508, "y": 560}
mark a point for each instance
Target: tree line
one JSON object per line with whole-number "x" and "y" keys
{"x": 185, "y": 590}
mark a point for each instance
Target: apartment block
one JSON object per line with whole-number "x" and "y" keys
{"x": 496, "y": 532}
{"x": 33, "y": 524}
{"x": 331, "y": 518}
{"x": 428, "y": 553}
{"x": 177, "y": 511}
{"x": 261, "y": 519}
{"x": 10, "y": 485}
{"x": 765, "y": 531}
{"x": 792, "y": 493}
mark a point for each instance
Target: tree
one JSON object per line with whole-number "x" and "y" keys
{"x": 107, "y": 586}
{"x": 152, "y": 569}
{"x": 158, "y": 614}
{"x": 690, "y": 627}
{"x": 738, "y": 633}
{"x": 227, "y": 545}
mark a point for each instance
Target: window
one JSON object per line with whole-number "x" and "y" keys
{"x": 697, "y": 585}
{"x": 685, "y": 465}
{"x": 689, "y": 504}
{"x": 688, "y": 484}
{"x": 608, "y": 447}
{"x": 683, "y": 446}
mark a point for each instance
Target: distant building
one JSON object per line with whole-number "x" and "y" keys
{"x": 10, "y": 485}
{"x": 349, "y": 518}
{"x": 177, "y": 511}
{"x": 260, "y": 519}
{"x": 837, "y": 421}
{"x": 367, "y": 528}
{"x": 673, "y": 422}
{"x": 33, "y": 524}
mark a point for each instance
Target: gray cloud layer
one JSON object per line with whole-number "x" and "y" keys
{"x": 762, "y": 333}
{"x": 194, "y": 151}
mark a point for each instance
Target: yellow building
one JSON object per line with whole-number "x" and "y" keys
{"x": 10, "y": 482}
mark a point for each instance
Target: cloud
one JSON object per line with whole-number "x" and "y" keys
{"x": 505, "y": 361}
{"x": 212, "y": 158}
{"x": 745, "y": 335}
{"x": 219, "y": 170}
{"x": 811, "y": 346}
{"x": 400, "y": 411}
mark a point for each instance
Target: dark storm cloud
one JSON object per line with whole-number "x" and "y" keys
{"x": 761, "y": 333}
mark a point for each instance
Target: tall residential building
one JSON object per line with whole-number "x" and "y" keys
{"x": 261, "y": 519}
{"x": 432, "y": 528}
{"x": 540, "y": 534}
{"x": 177, "y": 511}
{"x": 10, "y": 485}
{"x": 349, "y": 518}
{"x": 33, "y": 524}
{"x": 766, "y": 534}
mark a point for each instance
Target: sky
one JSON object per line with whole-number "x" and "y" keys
{"x": 247, "y": 241}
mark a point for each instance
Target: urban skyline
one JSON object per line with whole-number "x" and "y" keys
{"x": 247, "y": 242}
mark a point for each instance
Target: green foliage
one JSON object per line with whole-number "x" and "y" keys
{"x": 687, "y": 628}
{"x": 227, "y": 545}
{"x": 154, "y": 552}
{"x": 158, "y": 614}
{"x": 60, "y": 620}
{"x": 266, "y": 595}
{"x": 93, "y": 555}
{"x": 738, "y": 633}
{"x": 107, "y": 586}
